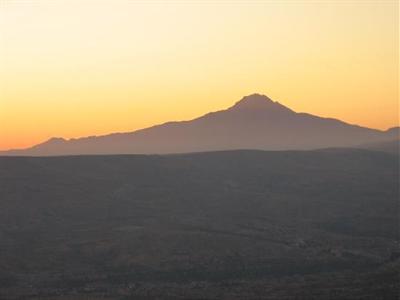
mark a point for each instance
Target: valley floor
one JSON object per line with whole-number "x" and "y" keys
{"x": 224, "y": 225}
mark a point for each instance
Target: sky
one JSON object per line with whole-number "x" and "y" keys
{"x": 74, "y": 68}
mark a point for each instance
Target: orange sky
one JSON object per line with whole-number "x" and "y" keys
{"x": 72, "y": 68}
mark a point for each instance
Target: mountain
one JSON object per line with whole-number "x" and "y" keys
{"x": 392, "y": 146}
{"x": 255, "y": 122}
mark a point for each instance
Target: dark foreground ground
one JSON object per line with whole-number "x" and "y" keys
{"x": 224, "y": 225}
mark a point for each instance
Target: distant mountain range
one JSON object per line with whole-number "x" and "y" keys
{"x": 255, "y": 122}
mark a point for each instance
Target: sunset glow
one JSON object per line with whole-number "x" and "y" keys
{"x": 80, "y": 68}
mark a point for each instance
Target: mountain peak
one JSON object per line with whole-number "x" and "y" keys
{"x": 254, "y": 101}
{"x": 258, "y": 102}
{"x": 55, "y": 140}
{"x": 393, "y": 132}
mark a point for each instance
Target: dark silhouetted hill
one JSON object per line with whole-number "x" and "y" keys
{"x": 255, "y": 122}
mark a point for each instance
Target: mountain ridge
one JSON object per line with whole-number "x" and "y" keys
{"x": 254, "y": 122}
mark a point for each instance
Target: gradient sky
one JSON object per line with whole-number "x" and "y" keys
{"x": 77, "y": 68}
